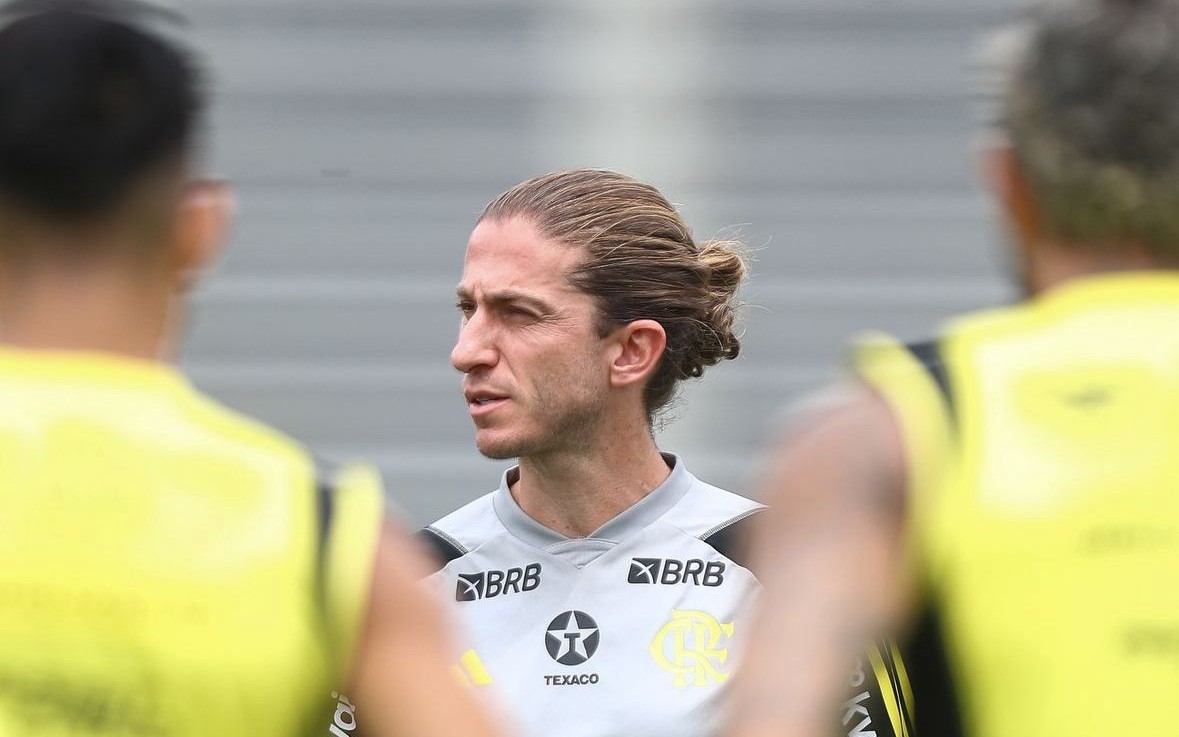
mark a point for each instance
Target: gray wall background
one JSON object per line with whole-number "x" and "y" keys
{"x": 364, "y": 136}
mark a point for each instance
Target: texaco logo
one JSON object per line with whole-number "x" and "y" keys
{"x": 572, "y": 638}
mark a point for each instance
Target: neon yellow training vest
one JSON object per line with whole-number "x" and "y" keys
{"x": 167, "y": 568}
{"x": 1044, "y": 450}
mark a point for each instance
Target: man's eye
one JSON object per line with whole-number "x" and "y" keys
{"x": 467, "y": 308}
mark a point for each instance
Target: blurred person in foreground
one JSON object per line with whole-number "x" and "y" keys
{"x": 1005, "y": 495}
{"x": 602, "y": 583}
{"x": 166, "y": 566}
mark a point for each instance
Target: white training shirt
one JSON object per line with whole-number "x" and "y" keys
{"x": 633, "y": 630}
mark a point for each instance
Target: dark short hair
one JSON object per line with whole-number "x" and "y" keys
{"x": 91, "y": 102}
{"x": 1091, "y": 105}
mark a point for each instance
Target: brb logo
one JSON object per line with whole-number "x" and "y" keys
{"x": 489, "y": 584}
{"x": 692, "y": 646}
{"x": 572, "y": 638}
{"x": 669, "y": 571}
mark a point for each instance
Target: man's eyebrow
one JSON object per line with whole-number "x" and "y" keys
{"x": 507, "y": 296}
{"x": 511, "y": 295}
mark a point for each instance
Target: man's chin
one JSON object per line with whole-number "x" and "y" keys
{"x": 497, "y": 454}
{"x": 499, "y": 449}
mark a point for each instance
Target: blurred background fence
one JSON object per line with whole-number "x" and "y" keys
{"x": 365, "y": 136}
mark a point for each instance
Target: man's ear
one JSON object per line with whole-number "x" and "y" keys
{"x": 638, "y": 347}
{"x": 1005, "y": 178}
{"x": 202, "y": 228}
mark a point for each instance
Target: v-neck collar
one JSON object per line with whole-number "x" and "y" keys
{"x": 627, "y": 523}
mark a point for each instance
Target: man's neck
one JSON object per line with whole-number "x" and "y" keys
{"x": 576, "y": 492}
{"x": 1056, "y": 264}
{"x": 108, "y": 312}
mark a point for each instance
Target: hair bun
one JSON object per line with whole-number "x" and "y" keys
{"x": 725, "y": 264}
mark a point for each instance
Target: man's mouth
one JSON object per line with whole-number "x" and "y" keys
{"x": 481, "y": 401}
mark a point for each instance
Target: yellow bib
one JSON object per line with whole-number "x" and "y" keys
{"x": 167, "y": 567}
{"x": 1044, "y": 451}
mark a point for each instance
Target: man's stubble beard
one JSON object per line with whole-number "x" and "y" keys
{"x": 574, "y": 427}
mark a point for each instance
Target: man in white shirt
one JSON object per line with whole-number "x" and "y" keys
{"x": 602, "y": 582}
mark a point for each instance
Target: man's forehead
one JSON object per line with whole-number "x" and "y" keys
{"x": 515, "y": 256}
